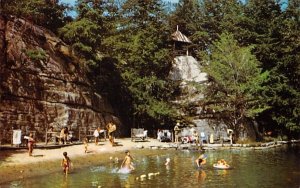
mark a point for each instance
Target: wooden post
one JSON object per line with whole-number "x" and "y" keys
{"x": 46, "y": 137}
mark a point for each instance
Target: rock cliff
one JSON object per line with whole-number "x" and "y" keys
{"x": 42, "y": 84}
{"x": 187, "y": 71}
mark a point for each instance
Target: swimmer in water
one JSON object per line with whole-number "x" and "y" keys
{"x": 201, "y": 160}
{"x": 127, "y": 162}
{"x": 167, "y": 161}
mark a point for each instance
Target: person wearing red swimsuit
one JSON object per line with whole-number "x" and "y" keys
{"x": 30, "y": 144}
{"x": 66, "y": 163}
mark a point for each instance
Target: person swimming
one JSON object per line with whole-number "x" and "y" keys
{"x": 167, "y": 161}
{"x": 127, "y": 162}
{"x": 201, "y": 160}
{"x": 221, "y": 164}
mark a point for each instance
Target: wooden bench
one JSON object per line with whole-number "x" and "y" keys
{"x": 51, "y": 136}
{"x": 138, "y": 134}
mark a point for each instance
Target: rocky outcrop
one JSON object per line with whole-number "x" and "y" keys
{"x": 186, "y": 70}
{"x": 42, "y": 84}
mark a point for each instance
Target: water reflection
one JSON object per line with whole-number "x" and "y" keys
{"x": 251, "y": 168}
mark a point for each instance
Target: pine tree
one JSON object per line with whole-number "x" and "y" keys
{"x": 236, "y": 83}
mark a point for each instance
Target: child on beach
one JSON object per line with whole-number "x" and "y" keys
{"x": 66, "y": 163}
{"x": 30, "y": 144}
{"x": 85, "y": 143}
{"x": 127, "y": 162}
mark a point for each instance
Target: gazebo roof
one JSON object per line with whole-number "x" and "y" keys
{"x": 178, "y": 36}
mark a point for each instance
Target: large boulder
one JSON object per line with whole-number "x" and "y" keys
{"x": 186, "y": 70}
{"x": 43, "y": 84}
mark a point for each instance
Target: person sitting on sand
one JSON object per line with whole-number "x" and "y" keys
{"x": 201, "y": 160}
{"x": 66, "y": 163}
{"x": 30, "y": 144}
{"x": 64, "y": 133}
{"x": 127, "y": 162}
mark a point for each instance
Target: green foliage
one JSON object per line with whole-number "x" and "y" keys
{"x": 47, "y": 13}
{"x": 237, "y": 82}
{"x": 36, "y": 54}
{"x": 84, "y": 35}
{"x": 141, "y": 49}
{"x": 126, "y": 47}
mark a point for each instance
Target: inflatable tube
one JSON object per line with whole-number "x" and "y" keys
{"x": 185, "y": 140}
{"x": 221, "y": 167}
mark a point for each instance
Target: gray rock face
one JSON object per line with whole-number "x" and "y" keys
{"x": 187, "y": 69}
{"x": 43, "y": 84}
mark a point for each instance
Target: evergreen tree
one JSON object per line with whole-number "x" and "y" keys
{"x": 285, "y": 93}
{"x": 86, "y": 32}
{"x": 46, "y": 13}
{"x": 142, "y": 50}
{"x": 236, "y": 83}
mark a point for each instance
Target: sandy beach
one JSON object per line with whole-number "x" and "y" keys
{"x": 17, "y": 164}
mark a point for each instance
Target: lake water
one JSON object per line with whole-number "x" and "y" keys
{"x": 270, "y": 168}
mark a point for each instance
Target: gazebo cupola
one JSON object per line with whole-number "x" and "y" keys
{"x": 181, "y": 43}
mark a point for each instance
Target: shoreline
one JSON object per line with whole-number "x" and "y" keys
{"x": 16, "y": 165}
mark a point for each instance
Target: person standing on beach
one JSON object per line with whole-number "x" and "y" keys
{"x": 111, "y": 128}
{"x": 85, "y": 143}
{"x": 66, "y": 163}
{"x": 30, "y": 144}
{"x": 127, "y": 162}
{"x": 96, "y": 135}
{"x": 176, "y": 131}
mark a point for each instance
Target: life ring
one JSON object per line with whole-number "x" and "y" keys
{"x": 221, "y": 167}
{"x": 185, "y": 140}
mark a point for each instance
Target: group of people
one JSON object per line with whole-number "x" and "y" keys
{"x": 194, "y": 137}
{"x": 111, "y": 128}
{"x": 65, "y": 136}
{"x": 127, "y": 163}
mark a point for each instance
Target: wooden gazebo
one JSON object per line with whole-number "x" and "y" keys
{"x": 181, "y": 43}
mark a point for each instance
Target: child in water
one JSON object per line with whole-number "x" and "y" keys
{"x": 127, "y": 162}
{"x": 201, "y": 160}
{"x": 222, "y": 163}
{"x": 66, "y": 163}
{"x": 167, "y": 161}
